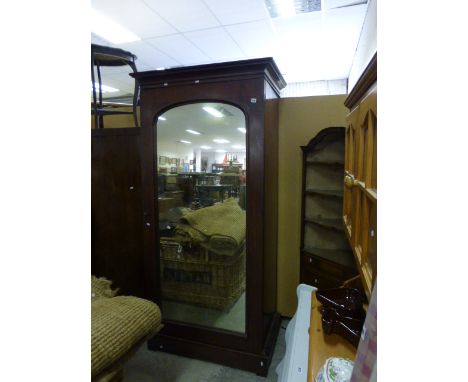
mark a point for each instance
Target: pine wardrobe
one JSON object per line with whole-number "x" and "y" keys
{"x": 209, "y": 236}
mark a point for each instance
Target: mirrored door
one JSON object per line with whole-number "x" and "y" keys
{"x": 201, "y": 163}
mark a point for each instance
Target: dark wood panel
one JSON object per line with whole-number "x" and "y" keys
{"x": 258, "y": 363}
{"x": 271, "y": 202}
{"x": 368, "y": 77}
{"x": 319, "y": 274}
{"x": 116, "y": 211}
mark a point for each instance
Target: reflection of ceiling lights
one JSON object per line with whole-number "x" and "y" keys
{"x": 110, "y": 30}
{"x": 192, "y": 132}
{"x": 220, "y": 151}
{"x": 242, "y": 130}
{"x": 182, "y": 141}
{"x": 240, "y": 147}
{"x": 213, "y": 111}
{"x": 162, "y": 118}
{"x": 205, "y": 147}
{"x": 217, "y": 140}
{"x": 104, "y": 88}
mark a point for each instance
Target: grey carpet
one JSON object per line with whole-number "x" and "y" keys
{"x": 148, "y": 366}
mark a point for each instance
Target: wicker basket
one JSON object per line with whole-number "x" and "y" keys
{"x": 201, "y": 277}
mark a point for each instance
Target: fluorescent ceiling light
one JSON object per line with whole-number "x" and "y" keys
{"x": 242, "y": 129}
{"x": 218, "y": 140}
{"x": 220, "y": 151}
{"x": 213, "y": 111}
{"x": 286, "y": 8}
{"x": 192, "y": 132}
{"x": 162, "y": 118}
{"x": 281, "y": 8}
{"x": 205, "y": 147}
{"x": 182, "y": 141}
{"x": 104, "y": 88}
{"x": 110, "y": 30}
{"x": 238, "y": 147}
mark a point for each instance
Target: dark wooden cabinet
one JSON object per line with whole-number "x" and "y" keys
{"x": 251, "y": 87}
{"x": 326, "y": 257}
{"x": 116, "y": 208}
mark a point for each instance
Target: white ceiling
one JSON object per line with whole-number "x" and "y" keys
{"x": 306, "y": 47}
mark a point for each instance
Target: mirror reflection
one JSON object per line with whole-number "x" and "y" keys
{"x": 201, "y": 165}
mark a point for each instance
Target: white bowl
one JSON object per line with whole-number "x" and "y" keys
{"x": 335, "y": 369}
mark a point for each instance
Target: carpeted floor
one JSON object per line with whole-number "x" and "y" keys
{"x": 148, "y": 366}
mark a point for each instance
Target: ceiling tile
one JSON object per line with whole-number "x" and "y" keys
{"x": 113, "y": 70}
{"x": 185, "y": 15}
{"x": 180, "y": 48}
{"x": 217, "y": 44}
{"x": 239, "y": 11}
{"x": 332, "y": 4}
{"x": 256, "y": 38}
{"x": 118, "y": 83}
{"x": 141, "y": 67}
{"x": 95, "y": 39}
{"x": 134, "y": 15}
{"x": 148, "y": 55}
{"x": 331, "y": 37}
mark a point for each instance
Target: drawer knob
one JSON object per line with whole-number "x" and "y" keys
{"x": 350, "y": 182}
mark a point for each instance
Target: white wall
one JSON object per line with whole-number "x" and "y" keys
{"x": 367, "y": 45}
{"x": 314, "y": 88}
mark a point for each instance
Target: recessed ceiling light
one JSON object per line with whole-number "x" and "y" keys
{"x": 213, "y": 111}
{"x": 110, "y": 30}
{"x": 242, "y": 130}
{"x": 104, "y": 88}
{"x": 238, "y": 147}
{"x": 205, "y": 147}
{"x": 192, "y": 132}
{"x": 182, "y": 141}
{"x": 220, "y": 140}
{"x": 162, "y": 118}
{"x": 280, "y": 8}
{"x": 220, "y": 151}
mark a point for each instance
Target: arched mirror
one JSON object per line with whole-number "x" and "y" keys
{"x": 201, "y": 167}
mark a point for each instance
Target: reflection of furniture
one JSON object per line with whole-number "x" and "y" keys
{"x": 326, "y": 258}
{"x": 119, "y": 327}
{"x": 233, "y": 179}
{"x": 253, "y": 86}
{"x": 221, "y": 167}
{"x": 205, "y": 190}
{"x": 200, "y": 276}
{"x": 360, "y": 191}
{"x": 108, "y": 56}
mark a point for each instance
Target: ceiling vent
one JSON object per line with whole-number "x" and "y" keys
{"x": 306, "y": 6}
